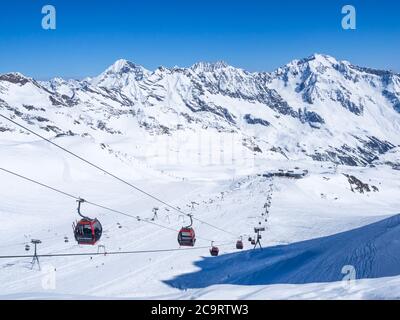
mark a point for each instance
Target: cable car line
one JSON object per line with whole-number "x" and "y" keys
{"x": 114, "y": 176}
{"x": 138, "y": 218}
{"x": 50, "y": 255}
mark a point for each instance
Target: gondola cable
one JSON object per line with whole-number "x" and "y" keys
{"x": 50, "y": 255}
{"x": 116, "y": 177}
{"x": 138, "y": 218}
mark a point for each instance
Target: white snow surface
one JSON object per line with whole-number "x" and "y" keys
{"x": 182, "y": 135}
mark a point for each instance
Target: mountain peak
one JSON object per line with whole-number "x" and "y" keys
{"x": 209, "y": 66}
{"x": 15, "y": 77}
{"x": 316, "y": 61}
{"x": 321, "y": 59}
{"x": 123, "y": 66}
{"x": 119, "y": 74}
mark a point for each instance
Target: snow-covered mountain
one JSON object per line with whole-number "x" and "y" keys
{"x": 316, "y": 108}
{"x": 225, "y": 139}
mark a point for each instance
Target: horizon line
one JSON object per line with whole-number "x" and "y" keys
{"x": 82, "y": 77}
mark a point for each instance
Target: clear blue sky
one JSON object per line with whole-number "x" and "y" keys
{"x": 255, "y": 35}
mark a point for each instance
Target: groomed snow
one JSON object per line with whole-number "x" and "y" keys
{"x": 317, "y": 206}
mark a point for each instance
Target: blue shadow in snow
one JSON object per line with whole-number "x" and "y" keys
{"x": 373, "y": 250}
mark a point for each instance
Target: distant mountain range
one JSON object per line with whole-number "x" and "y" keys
{"x": 317, "y": 108}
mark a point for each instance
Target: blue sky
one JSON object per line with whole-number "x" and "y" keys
{"x": 255, "y": 35}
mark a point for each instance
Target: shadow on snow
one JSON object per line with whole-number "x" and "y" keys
{"x": 373, "y": 250}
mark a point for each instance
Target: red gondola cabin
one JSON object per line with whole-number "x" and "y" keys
{"x": 214, "y": 251}
{"x": 239, "y": 245}
{"x": 186, "y": 237}
{"x": 88, "y": 231}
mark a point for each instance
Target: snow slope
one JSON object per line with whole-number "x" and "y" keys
{"x": 370, "y": 249}
{"x": 211, "y": 134}
{"x": 30, "y": 212}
